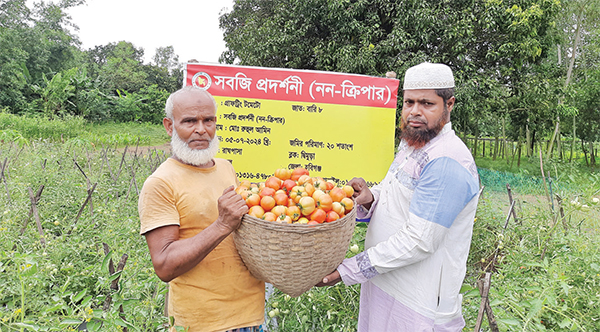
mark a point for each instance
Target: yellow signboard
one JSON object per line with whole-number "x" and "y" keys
{"x": 337, "y": 126}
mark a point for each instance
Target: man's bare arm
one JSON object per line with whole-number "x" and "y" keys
{"x": 173, "y": 257}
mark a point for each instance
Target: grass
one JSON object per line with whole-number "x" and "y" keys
{"x": 77, "y": 131}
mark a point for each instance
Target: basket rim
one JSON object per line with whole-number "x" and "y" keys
{"x": 300, "y": 228}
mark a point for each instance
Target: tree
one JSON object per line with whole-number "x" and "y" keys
{"x": 123, "y": 69}
{"x": 490, "y": 44}
{"x": 35, "y": 43}
{"x": 165, "y": 57}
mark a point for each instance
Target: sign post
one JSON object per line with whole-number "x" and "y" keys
{"x": 337, "y": 126}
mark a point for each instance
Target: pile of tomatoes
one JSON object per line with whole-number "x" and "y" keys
{"x": 293, "y": 196}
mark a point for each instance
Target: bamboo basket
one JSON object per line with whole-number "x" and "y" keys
{"x": 293, "y": 257}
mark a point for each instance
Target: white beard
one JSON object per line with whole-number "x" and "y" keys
{"x": 187, "y": 155}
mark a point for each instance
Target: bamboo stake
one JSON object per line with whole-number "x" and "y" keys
{"x": 510, "y": 201}
{"x": 37, "y": 199}
{"x": 544, "y": 179}
{"x": 484, "y": 289}
{"x": 3, "y": 177}
{"x": 121, "y": 165}
{"x": 89, "y": 197}
{"x": 37, "y": 216}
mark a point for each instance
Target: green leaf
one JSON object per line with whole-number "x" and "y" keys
{"x": 565, "y": 323}
{"x": 465, "y": 288}
{"x": 80, "y": 295}
{"x": 86, "y": 301}
{"x": 472, "y": 293}
{"x": 70, "y": 321}
{"x": 25, "y": 325}
{"x": 565, "y": 287}
{"x": 94, "y": 325}
{"x": 509, "y": 321}
{"x": 595, "y": 267}
{"x": 106, "y": 261}
{"x": 495, "y": 302}
{"x": 114, "y": 276}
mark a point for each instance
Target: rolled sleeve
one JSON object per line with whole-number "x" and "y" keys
{"x": 357, "y": 269}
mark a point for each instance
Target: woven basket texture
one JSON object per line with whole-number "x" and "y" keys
{"x": 293, "y": 257}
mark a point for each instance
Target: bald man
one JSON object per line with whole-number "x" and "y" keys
{"x": 188, "y": 209}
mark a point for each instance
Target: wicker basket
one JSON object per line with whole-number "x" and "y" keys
{"x": 293, "y": 257}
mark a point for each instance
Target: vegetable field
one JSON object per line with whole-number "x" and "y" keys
{"x": 71, "y": 256}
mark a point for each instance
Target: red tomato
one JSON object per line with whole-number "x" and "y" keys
{"x": 332, "y": 216}
{"x": 281, "y": 198}
{"x": 288, "y": 185}
{"x": 297, "y": 172}
{"x": 274, "y": 182}
{"x": 330, "y": 185}
{"x": 266, "y": 191}
{"x": 269, "y": 216}
{"x": 318, "y": 215}
{"x": 337, "y": 194}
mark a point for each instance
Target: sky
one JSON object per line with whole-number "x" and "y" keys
{"x": 190, "y": 26}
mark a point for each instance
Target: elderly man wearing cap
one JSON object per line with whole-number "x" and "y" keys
{"x": 421, "y": 218}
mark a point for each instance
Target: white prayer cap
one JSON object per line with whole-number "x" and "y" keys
{"x": 428, "y": 76}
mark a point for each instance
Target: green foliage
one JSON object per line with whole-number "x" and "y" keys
{"x": 147, "y": 105}
{"x": 530, "y": 292}
{"x": 123, "y": 70}
{"x": 78, "y": 132}
{"x": 48, "y": 288}
{"x": 500, "y": 51}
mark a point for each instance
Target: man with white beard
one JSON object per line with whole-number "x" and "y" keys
{"x": 188, "y": 208}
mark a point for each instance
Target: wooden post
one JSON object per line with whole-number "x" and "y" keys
{"x": 37, "y": 199}
{"x": 114, "y": 285}
{"x": 3, "y": 177}
{"x": 121, "y": 164}
{"x": 37, "y": 216}
{"x": 89, "y": 197}
{"x": 484, "y": 289}
{"x": 511, "y": 202}
{"x": 87, "y": 180}
{"x": 544, "y": 180}
{"x": 562, "y": 213}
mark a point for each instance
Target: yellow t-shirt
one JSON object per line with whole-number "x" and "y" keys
{"x": 219, "y": 293}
